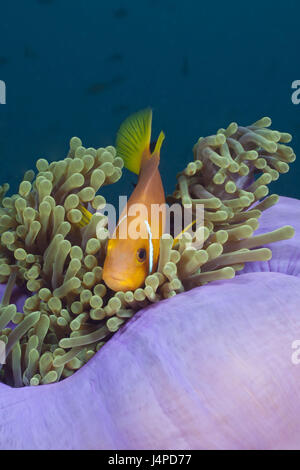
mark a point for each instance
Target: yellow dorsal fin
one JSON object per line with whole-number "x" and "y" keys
{"x": 159, "y": 142}
{"x": 86, "y": 216}
{"x": 133, "y": 139}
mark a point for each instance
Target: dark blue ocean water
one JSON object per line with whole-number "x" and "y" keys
{"x": 75, "y": 67}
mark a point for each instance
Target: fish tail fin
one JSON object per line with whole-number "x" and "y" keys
{"x": 86, "y": 217}
{"x": 133, "y": 139}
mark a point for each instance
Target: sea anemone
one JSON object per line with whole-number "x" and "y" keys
{"x": 69, "y": 313}
{"x": 208, "y": 369}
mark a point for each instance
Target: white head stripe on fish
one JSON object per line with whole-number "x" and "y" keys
{"x": 121, "y": 220}
{"x": 150, "y": 247}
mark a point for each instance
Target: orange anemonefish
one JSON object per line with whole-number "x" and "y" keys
{"x": 130, "y": 260}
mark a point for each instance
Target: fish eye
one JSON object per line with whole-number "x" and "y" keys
{"x": 141, "y": 255}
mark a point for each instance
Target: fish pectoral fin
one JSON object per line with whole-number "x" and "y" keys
{"x": 86, "y": 217}
{"x": 133, "y": 139}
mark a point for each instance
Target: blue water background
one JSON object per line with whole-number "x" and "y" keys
{"x": 80, "y": 67}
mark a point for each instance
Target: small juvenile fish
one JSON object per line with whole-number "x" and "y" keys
{"x": 121, "y": 108}
{"x": 185, "y": 69}
{"x": 4, "y": 60}
{"x": 115, "y": 57}
{"x": 120, "y": 13}
{"x": 100, "y": 87}
{"x": 45, "y": 2}
{"x": 30, "y": 53}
